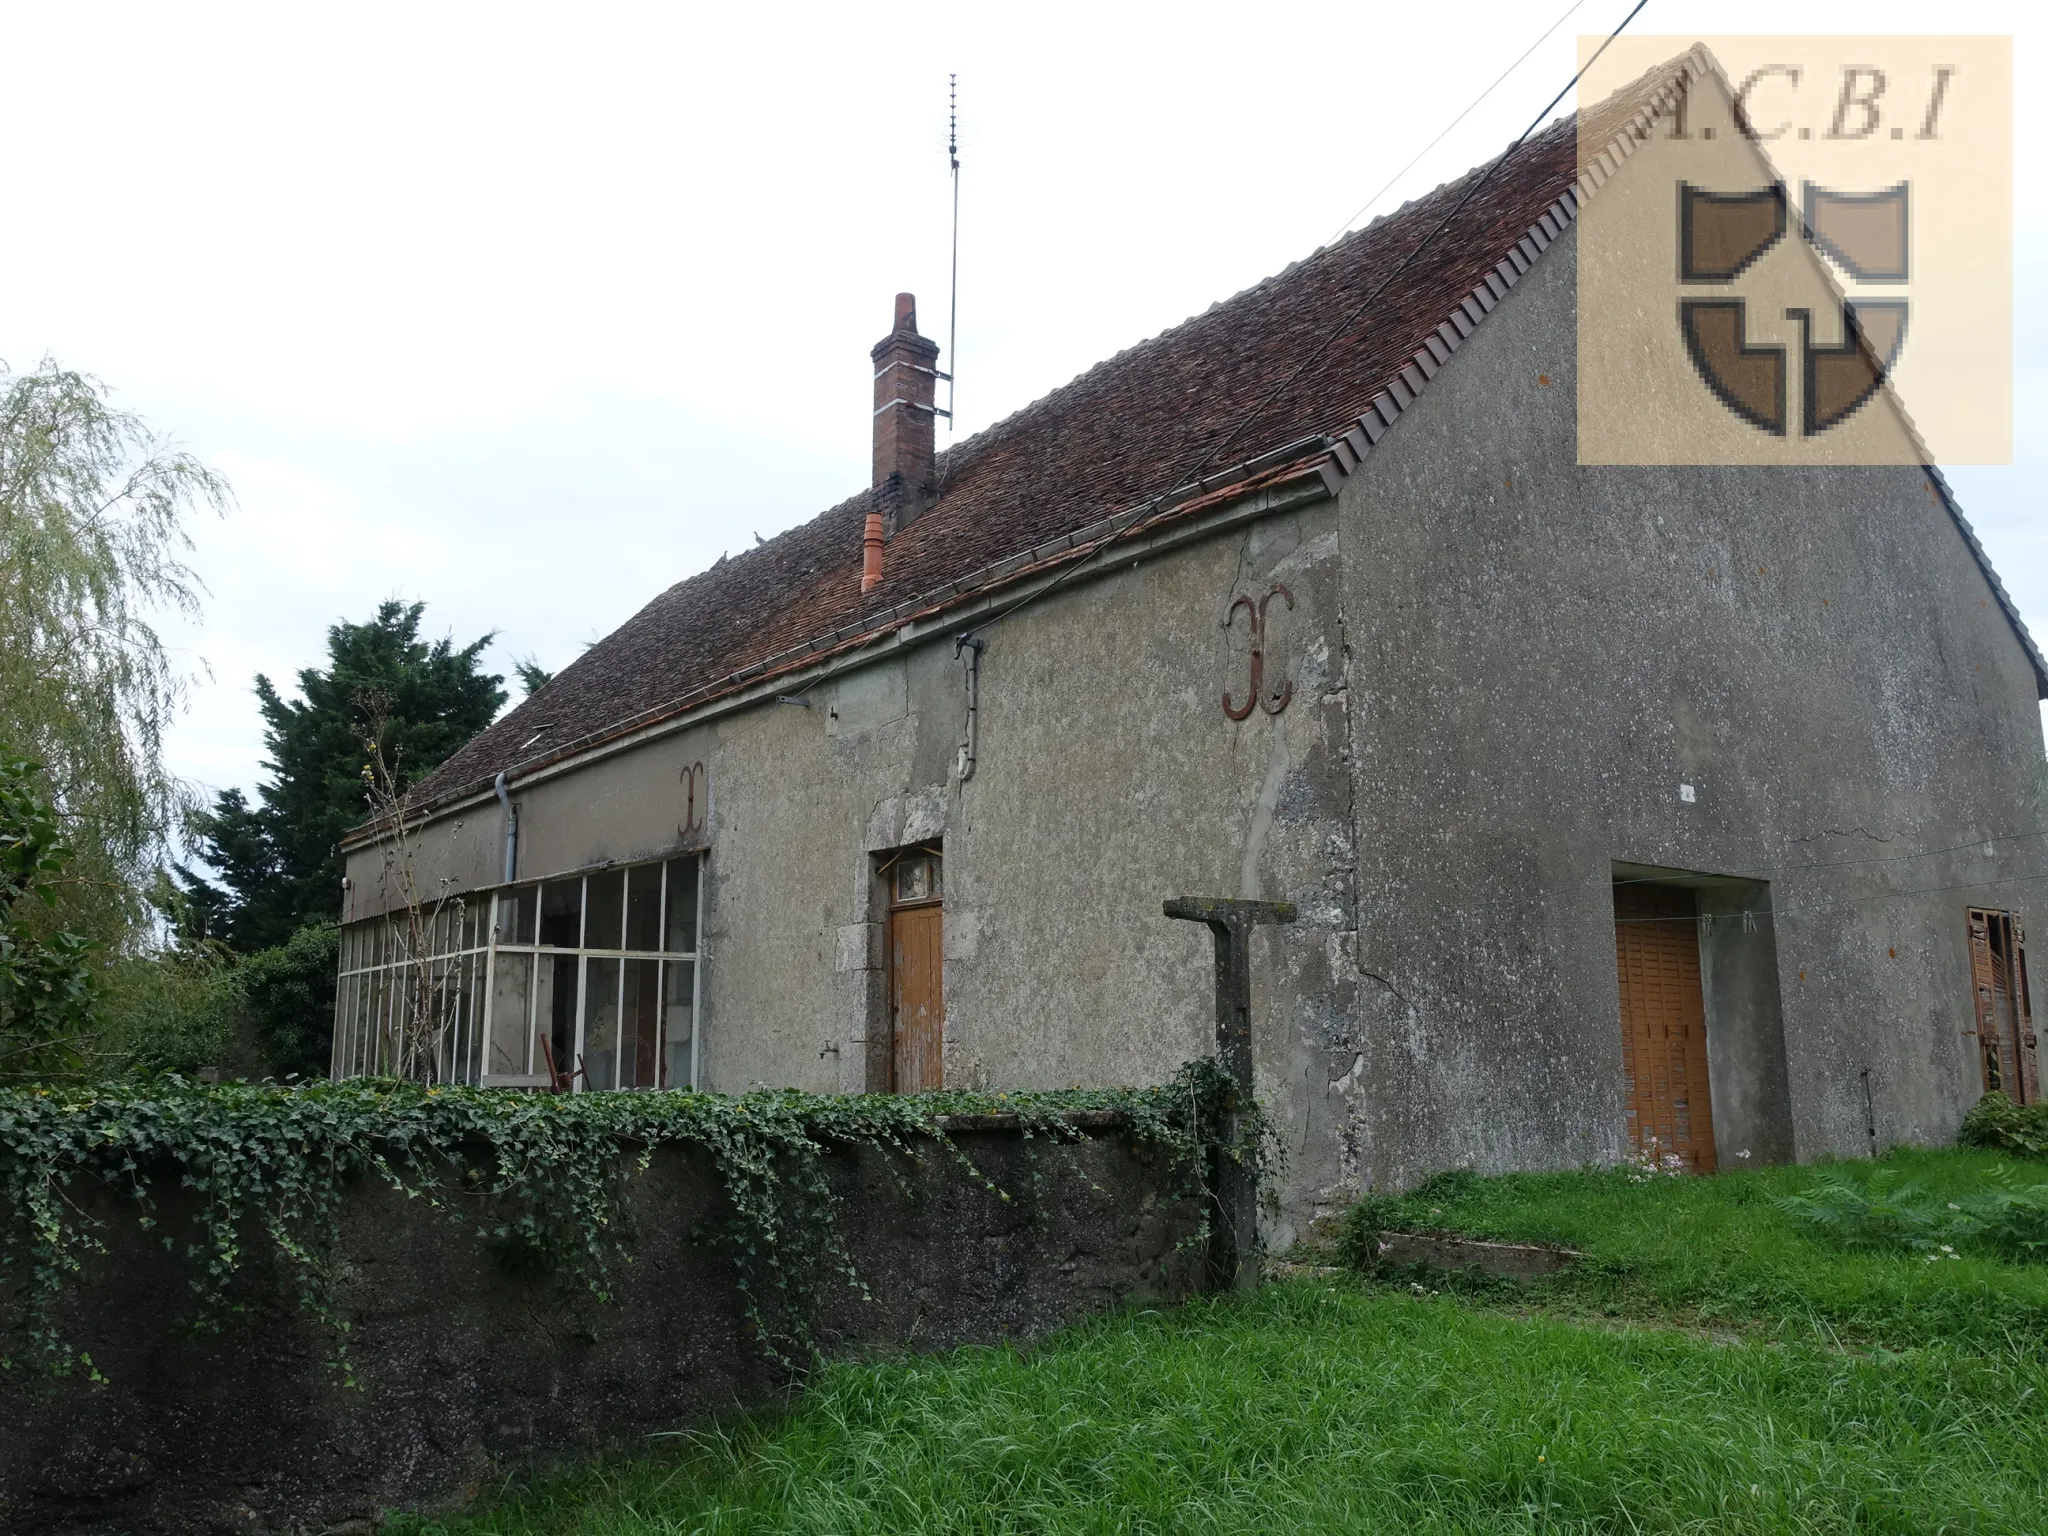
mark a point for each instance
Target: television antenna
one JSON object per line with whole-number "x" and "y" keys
{"x": 953, "y": 304}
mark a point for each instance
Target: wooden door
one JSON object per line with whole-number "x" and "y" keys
{"x": 917, "y": 999}
{"x": 1663, "y": 1024}
{"x": 2004, "y": 1015}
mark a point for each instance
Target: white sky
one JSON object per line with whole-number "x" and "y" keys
{"x": 531, "y": 312}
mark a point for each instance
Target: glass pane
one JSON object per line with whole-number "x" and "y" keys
{"x": 600, "y": 1024}
{"x": 917, "y": 877}
{"x": 454, "y": 1048}
{"x": 607, "y": 896}
{"x": 363, "y": 1049}
{"x": 398, "y": 1020}
{"x": 640, "y": 1024}
{"x": 679, "y": 981}
{"x": 474, "y": 1006}
{"x": 379, "y": 1013}
{"x": 366, "y": 1024}
{"x": 515, "y": 917}
{"x": 511, "y": 987}
{"x": 447, "y": 1017}
{"x": 555, "y": 1010}
{"x": 561, "y": 913}
{"x": 682, "y": 907}
{"x": 447, "y": 984}
{"x": 351, "y": 1058}
{"x": 344, "y": 1000}
{"x": 643, "y": 907}
{"x": 344, "y": 1025}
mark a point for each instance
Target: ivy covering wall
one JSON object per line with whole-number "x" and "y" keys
{"x": 270, "y": 1165}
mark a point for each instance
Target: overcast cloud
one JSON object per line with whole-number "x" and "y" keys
{"x": 530, "y": 312}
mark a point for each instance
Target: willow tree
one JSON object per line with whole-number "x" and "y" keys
{"x": 93, "y": 513}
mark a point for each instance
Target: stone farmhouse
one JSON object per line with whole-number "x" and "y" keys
{"x": 1687, "y": 808}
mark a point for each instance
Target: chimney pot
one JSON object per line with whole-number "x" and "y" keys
{"x": 906, "y": 312}
{"x": 871, "y": 553}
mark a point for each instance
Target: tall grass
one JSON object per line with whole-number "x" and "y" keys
{"x": 1727, "y": 1252}
{"x": 1399, "y": 1406}
{"x": 1312, "y": 1408}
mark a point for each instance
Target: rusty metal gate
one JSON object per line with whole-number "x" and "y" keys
{"x": 2004, "y": 1015}
{"x": 1663, "y": 1024}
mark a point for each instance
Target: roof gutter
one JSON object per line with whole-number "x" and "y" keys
{"x": 855, "y": 645}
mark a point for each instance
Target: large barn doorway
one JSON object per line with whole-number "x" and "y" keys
{"x": 917, "y": 994}
{"x": 2004, "y": 1014}
{"x": 1663, "y": 1024}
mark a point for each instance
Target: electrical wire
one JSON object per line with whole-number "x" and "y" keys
{"x": 1893, "y": 858}
{"x": 1200, "y": 463}
{"x": 1366, "y": 207}
{"x": 1486, "y": 910}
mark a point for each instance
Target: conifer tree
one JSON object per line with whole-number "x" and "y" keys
{"x": 276, "y": 865}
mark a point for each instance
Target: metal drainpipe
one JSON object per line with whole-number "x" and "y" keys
{"x": 511, "y": 830}
{"x": 971, "y": 644}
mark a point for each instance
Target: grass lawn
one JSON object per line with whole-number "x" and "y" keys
{"x": 1717, "y": 1253}
{"x": 1707, "y": 1369}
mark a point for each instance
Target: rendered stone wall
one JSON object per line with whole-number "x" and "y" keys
{"x": 470, "y": 1369}
{"x": 1545, "y": 652}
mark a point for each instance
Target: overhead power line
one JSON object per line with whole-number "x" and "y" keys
{"x": 1202, "y": 461}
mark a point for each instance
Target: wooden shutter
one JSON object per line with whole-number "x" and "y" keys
{"x": 1663, "y": 1023}
{"x": 1984, "y": 994}
{"x": 2006, "y": 1045}
{"x": 2023, "y": 1019}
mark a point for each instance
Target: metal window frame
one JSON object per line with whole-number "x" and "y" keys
{"x": 363, "y": 1008}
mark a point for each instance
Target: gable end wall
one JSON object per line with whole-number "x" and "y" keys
{"x": 1541, "y": 653}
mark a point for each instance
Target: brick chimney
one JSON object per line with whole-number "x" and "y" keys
{"x": 906, "y": 386}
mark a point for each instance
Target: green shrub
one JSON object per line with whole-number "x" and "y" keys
{"x": 266, "y": 1014}
{"x": 1359, "y": 1229}
{"x": 287, "y": 998}
{"x": 171, "y": 1012}
{"x": 2000, "y": 1125}
{"x": 46, "y": 981}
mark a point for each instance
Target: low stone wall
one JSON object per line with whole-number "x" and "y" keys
{"x": 469, "y": 1370}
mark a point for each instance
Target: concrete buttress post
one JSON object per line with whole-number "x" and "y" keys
{"x": 1234, "y": 1245}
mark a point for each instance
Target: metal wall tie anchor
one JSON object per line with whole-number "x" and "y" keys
{"x": 1257, "y": 610}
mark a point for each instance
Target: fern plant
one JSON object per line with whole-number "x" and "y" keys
{"x": 1886, "y": 1213}
{"x": 1882, "y": 1213}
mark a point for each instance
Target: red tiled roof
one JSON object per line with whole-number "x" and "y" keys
{"x": 1101, "y": 447}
